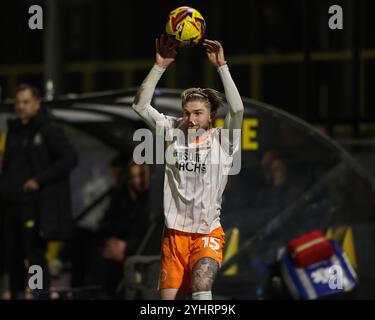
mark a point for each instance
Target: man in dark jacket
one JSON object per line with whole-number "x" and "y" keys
{"x": 123, "y": 226}
{"x": 127, "y": 218}
{"x": 35, "y": 187}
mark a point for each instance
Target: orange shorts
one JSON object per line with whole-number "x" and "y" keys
{"x": 182, "y": 250}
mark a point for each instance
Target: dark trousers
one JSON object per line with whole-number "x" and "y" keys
{"x": 23, "y": 247}
{"x": 106, "y": 273}
{"x": 90, "y": 268}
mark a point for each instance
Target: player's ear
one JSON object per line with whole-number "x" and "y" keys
{"x": 212, "y": 116}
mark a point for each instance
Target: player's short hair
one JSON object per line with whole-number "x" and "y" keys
{"x": 211, "y": 97}
{"x": 34, "y": 90}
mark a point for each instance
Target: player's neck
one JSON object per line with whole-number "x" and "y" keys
{"x": 200, "y": 138}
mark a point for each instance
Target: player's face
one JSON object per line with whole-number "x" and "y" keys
{"x": 197, "y": 115}
{"x": 26, "y": 105}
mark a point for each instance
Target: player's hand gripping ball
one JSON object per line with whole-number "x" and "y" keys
{"x": 185, "y": 26}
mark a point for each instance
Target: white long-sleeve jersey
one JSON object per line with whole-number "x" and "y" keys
{"x": 195, "y": 181}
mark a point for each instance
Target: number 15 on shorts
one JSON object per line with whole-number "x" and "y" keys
{"x": 212, "y": 243}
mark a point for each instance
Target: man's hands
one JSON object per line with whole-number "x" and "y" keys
{"x": 165, "y": 52}
{"x": 115, "y": 249}
{"x": 215, "y": 52}
{"x": 31, "y": 185}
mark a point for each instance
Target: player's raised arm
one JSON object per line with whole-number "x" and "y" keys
{"x": 215, "y": 54}
{"x": 165, "y": 55}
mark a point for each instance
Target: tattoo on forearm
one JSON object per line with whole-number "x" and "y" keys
{"x": 204, "y": 273}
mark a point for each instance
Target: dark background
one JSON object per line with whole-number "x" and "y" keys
{"x": 280, "y": 52}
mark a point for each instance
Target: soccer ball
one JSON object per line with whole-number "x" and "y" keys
{"x": 185, "y": 26}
